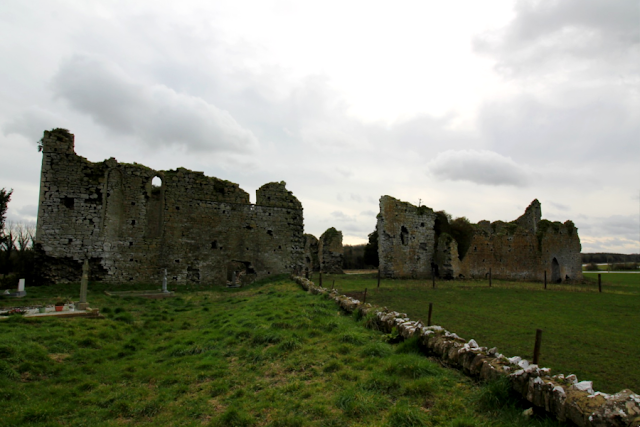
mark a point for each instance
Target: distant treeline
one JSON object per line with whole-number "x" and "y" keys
{"x": 362, "y": 257}
{"x": 604, "y": 258}
{"x": 355, "y": 259}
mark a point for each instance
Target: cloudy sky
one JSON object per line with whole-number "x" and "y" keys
{"x": 472, "y": 107}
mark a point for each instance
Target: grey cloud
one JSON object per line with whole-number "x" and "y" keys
{"x": 28, "y": 210}
{"x": 156, "y": 114}
{"x": 626, "y": 225}
{"x": 480, "y": 167}
{"x": 338, "y": 214}
{"x": 559, "y": 206}
{"x": 344, "y": 172}
{"x": 546, "y": 34}
{"x": 610, "y": 244}
{"x": 341, "y": 216}
{"x": 355, "y": 198}
{"x": 32, "y": 122}
{"x": 17, "y": 217}
{"x": 622, "y": 226}
{"x": 524, "y": 127}
{"x": 368, "y": 213}
{"x": 359, "y": 229}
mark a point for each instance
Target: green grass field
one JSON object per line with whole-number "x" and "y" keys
{"x": 267, "y": 355}
{"x": 593, "y": 335}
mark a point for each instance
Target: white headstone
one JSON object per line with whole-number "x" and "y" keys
{"x": 20, "y": 285}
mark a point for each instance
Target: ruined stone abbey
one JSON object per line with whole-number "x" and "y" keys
{"x": 200, "y": 229}
{"x": 414, "y": 243}
{"x": 132, "y": 222}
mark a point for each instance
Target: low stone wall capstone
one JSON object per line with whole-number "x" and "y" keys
{"x": 564, "y": 397}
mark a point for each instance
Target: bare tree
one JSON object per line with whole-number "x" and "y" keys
{"x": 23, "y": 235}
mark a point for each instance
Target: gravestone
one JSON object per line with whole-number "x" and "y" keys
{"x": 84, "y": 282}
{"x": 164, "y": 282}
{"x": 20, "y": 293}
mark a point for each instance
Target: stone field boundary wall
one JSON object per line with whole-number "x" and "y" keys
{"x": 562, "y": 396}
{"x": 132, "y": 222}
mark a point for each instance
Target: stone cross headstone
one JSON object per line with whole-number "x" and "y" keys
{"x": 84, "y": 283}
{"x": 164, "y": 282}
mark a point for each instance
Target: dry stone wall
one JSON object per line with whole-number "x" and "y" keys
{"x": 524, "y": 249}
{"x": 562, "y": 396}
{"x": 201, "y": 229}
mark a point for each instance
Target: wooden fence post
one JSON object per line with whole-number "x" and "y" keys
{"x": 430, "y": 310}
{"x": 364, "y": 300}
{"x": 536, "y": 348}
{"x": 599, "y": 282}
{"x": 545, "y": 279}
{"x": 320, "y": 279}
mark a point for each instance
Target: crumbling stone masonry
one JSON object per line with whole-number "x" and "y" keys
{"x": 201, "y": 229}
{"x": 524, "y": 249}
{"x": 311, "y": 260}
{"x": 406, "y": 239}
{"x": 331, "y": 252}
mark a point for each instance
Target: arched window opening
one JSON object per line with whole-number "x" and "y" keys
{"x": 555, "y": 271}
{"x": 404, "y": 235}
{"x": 154, "y": 208}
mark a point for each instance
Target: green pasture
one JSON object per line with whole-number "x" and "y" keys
{"x": 593, "y": 335}
{"x": 266, "y": 355}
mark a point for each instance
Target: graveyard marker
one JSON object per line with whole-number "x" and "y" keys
{"x": 164, "y": 282}
{"x": 84, "y": 282}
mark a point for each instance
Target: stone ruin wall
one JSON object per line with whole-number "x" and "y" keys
{"x": 406, "y": 239}
{"x": 200, "y": 229}
{"x": 331, "y": 252}
{"x": 325, "y": 254}
{"x": 311, "y": 261}
{"x": 520, "y": 250}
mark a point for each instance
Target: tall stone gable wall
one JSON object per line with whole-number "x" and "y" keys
{"x": 331, "y": 251}
{"x": 523, "y": 249}
{"x": 406, "y": 239}
{"x": 195, "y": 226}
